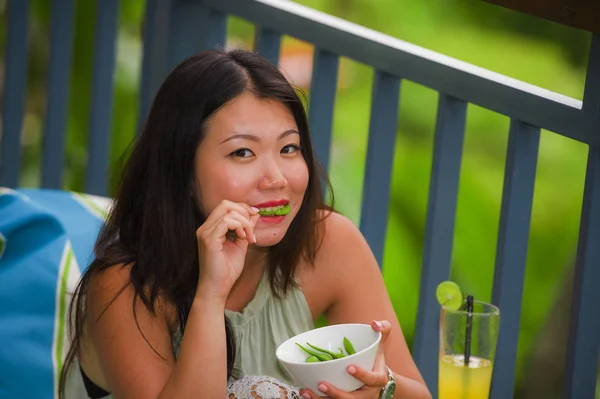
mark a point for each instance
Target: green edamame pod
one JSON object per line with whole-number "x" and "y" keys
{"x": 320, "y": 356}
{"x": 312, "y": 359}
{"x": 348, "y": 345}
{"x": 332, "y": 354}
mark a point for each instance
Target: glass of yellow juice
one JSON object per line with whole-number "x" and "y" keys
{"x": 467, "y": 350}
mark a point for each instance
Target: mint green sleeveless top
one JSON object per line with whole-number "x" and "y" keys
{"x": 264, "y": 324}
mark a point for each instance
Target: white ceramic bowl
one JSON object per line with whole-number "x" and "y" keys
{"x": 309, "y": 375}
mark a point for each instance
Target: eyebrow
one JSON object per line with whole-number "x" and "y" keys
{"x": 255, "y": 138}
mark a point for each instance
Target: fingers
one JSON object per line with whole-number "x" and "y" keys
{"x": 329, "y": 391}
{"x": 231, "y": 223}
{"x": 370, "y": 378}
{"x": 308, "y": 394}
{"x": 246, "y": 230}
{"x": 226, "y": 207}
{"x": 385, "y": 327}
{"x": 254, "y": 219}
{"x": 229, "y": 216}
{"x": 216, "y": 234}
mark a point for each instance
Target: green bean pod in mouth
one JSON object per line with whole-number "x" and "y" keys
{"x": 275, "y": 210}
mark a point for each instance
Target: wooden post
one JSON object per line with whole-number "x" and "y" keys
{"x": 580, "y": 14}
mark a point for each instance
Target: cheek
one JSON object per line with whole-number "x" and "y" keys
{"x": 238, "y": 186}
{"x": 299, "y": 179}
{"x": 214, "y": 190}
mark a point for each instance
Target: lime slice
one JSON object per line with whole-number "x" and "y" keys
{"x": 449, "y": 295}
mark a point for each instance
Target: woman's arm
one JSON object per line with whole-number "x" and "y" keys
{"x": 130, "y": 365}
{"x": 201, "y": 368}
{"x": 347, "y": 264}
{"x": 132, "y": 368}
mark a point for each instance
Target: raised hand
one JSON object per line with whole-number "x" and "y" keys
{"x": 222, "y": 255}
{"x": 374, "y": 380}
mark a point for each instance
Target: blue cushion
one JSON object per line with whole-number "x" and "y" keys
{"x": 46, "y": 242}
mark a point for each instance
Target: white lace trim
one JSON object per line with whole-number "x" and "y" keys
{"x": 261, "y": 387}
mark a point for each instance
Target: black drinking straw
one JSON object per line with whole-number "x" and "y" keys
{"x": 469, "y": 328}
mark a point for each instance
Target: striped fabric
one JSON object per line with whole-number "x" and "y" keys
{"x": 46, "y": 242}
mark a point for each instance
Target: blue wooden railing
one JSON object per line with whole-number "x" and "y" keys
{"x": 174, "y": 29}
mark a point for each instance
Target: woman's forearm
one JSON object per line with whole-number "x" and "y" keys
{"x": 201, "y": 367}
{"x": 407, "y": 388}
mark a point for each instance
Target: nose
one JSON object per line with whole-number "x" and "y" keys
{"x": 272, "y": 178}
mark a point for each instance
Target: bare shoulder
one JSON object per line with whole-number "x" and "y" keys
{"x": 343, "y": 245}
{"x": 343, "y": 259}
{"x": 337, "y": 224}
{"x": 106, "y": 285}
{"x": 113, "y": 286}
{"x": 124, "y": 341}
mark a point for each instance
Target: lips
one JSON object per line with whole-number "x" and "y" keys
{"x": 270, "y": 204}
{"x": 274, "y": 208}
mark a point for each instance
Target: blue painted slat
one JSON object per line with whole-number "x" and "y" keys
{"x": 591, "y": 93}
{"x": 217, "y": 30}
{"x": 321, "y": 102}
{"x": 439, "y": 230}
{"x": 194, "y": 28}
{"x": 511, "y": 254}
{"x": 61, "y": 48}
{"x": 102, "y": 93}
{"x": 174, "y": 30}
{"x": 584, "y": 329}
{"x": 13, "y": 108}
{"x": 153, "y": 56}
{"x": 187, "y": 30}
{"x": 379, "y": 163}
{"x": 267, "y": 44}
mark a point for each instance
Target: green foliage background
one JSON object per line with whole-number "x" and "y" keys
{"x": 536, "y": 51}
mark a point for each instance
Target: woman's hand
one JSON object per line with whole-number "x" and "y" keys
{"x": 222, "y": 255}
{"x": 374, "y": 380}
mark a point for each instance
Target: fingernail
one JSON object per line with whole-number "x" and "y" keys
{"x": 322, "y": 388}
{"x": 305, "y": 395}
{"x": 255, "y": 210}
{"x": 351, "y": 370}
{"x": 254, "y": 238}
{"x": 244, "y": 234}
{"x": 378, "y": 324}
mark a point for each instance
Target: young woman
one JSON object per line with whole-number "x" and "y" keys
{"x": 192, "y": 290}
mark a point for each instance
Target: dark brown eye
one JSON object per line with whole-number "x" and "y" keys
{"x": 241, "y": 153}
{"x": 290, "y": 148}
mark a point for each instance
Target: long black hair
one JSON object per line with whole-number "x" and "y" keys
{"x": 152, "y": 223}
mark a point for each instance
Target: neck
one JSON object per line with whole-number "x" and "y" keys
{"x": 256, "y": 258}
{"x": 254, "y": 267}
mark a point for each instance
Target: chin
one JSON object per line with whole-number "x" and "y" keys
{"x": 268, "y": 241}
{"x": 269, "y": 234}
{"x": 269, "y": 237}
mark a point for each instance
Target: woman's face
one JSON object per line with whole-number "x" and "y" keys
{"x": 251, "y": 153}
